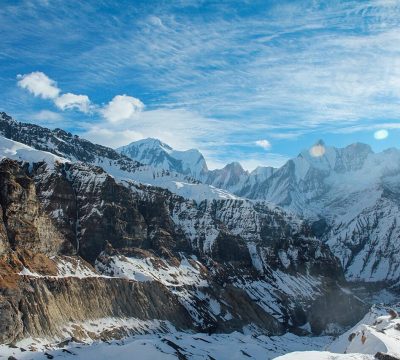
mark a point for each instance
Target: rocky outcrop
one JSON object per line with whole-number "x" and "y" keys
{"x": 24, "y": 224}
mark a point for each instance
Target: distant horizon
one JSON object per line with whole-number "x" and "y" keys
{"x": 309, "y": 148}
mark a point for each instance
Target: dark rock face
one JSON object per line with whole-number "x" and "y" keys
{"x": 230, "y": 248}
{"x": 92, "y": 209}
{"x": 92, "y": 215}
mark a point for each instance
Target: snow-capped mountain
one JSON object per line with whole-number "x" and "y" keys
{"x": 351, "y": 196}
{"x": 232, "y": 177}
{"x": 236, "y": 179}
{"x": 154, "y": 152}
{"x": 328, "y": 187}
{"x": 307, "y": 177}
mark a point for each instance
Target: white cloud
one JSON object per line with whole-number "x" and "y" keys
{"x": 121, "y": 108}
{"x": 47, "y": 115}
{"x": 381, "y": 134}
{"x": 39, "y": 84}
{"x": 70, "y": 101}
{"x": 265, "y": 144}
{"x": 111, "y": 137}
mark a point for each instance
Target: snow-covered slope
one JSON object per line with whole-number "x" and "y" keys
{"x": 17, "y": 151}
{"x": 174, "y": 182}
{"x": 377, "y": 332}
{"x": 174, "y": 345}
{"x": 323, "y": 355}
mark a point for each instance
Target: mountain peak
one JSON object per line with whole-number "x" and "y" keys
{"x": 234, "y": 166}
{"x": 154, "y": 152}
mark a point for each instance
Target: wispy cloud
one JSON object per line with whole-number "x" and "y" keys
{"x": 301, "y": 64}
{"x": 180, "y": 128}
{"x": 219, "y": 77}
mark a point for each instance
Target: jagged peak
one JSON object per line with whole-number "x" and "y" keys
{"x": 234, "y": 165}
{"x": 5, "y": 117}
{"x": 359, "y": 146}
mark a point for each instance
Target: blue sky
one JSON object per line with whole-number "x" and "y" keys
{"x": 248, "y": 81}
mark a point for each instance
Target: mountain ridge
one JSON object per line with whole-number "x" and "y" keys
{"x": 328, "y": 191}
{"x": 225, "y": 264}
{"x": 327, "y": 186}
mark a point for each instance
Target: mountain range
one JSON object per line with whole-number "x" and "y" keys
{"x": 328, "y": 191}
{"x": 94, "y": 241}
